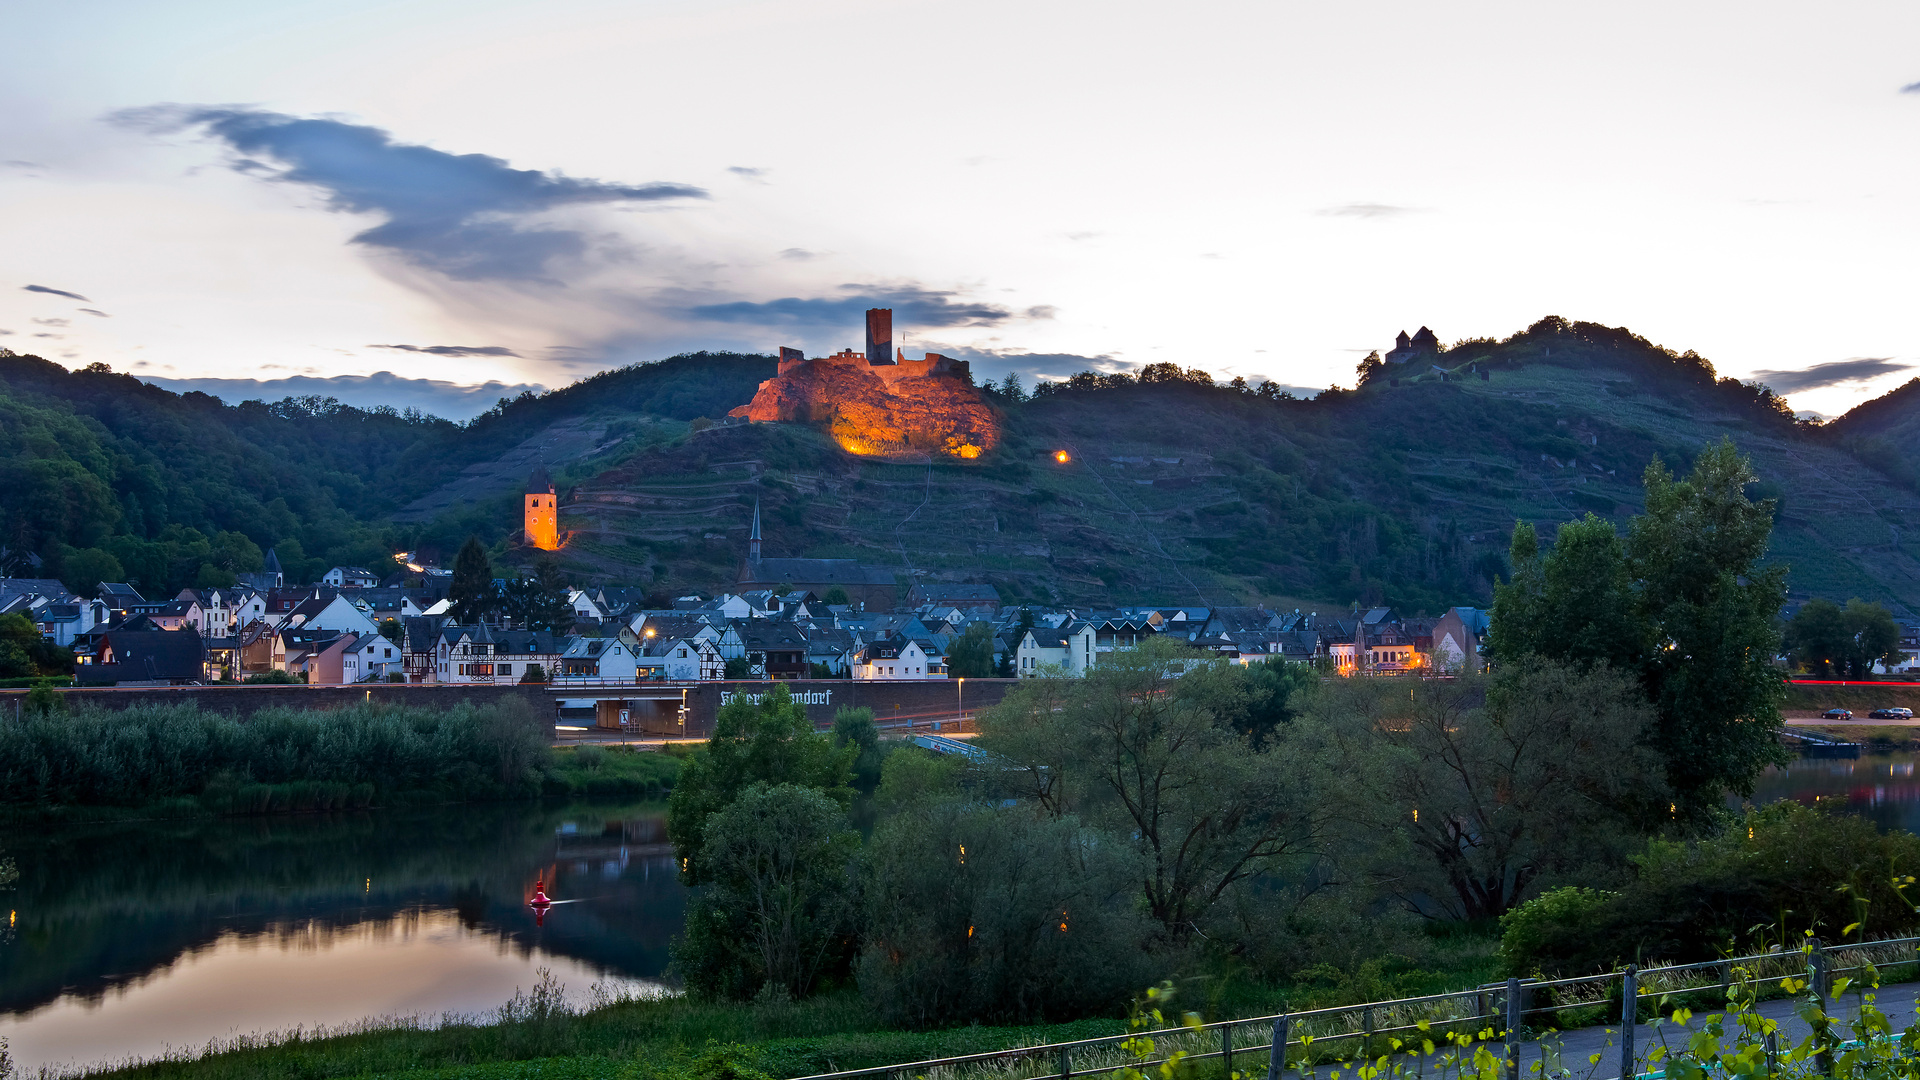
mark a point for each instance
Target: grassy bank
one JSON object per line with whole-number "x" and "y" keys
{"x": 1859, "y": 697}
{"x": 682, "y": 1039}
{"x": 177, "y": 761}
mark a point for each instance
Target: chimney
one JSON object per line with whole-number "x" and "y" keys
{"x": 879, "y": 335}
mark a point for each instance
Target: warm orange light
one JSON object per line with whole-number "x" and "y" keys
{"x": 1060, "y": 456}
{"x": 649, "y": 631}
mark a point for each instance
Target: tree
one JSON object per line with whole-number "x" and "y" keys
{"x": 1683, "y": 604}
{"x": 836, "y": 597}
{"x": 1369, "y": 368}
{"x": 1144, "y": 745}
{"x": 765, "y": 741}
{"x": 854, "y": 727}
{"x": 1487, "y": 787}
{"x": 392, "y": 630}
{"x": 471, "y": 591}
{"x": 1827, "y": 639}
{"x": 1710, "y": 609}
{"x": 998, "y": 915}
{"x": 738, "y": 667}
{"x": 777, "y": 909}
{"x": 1575, "y": 604}
{"x": 970, "y": 656}
{"x": 542, "y": 600}
{"x": 84, "y": 570}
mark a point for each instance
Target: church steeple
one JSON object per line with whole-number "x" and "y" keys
{"x": 753, "y": 541}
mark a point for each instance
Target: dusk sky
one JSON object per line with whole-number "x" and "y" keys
{"x": 522, "y": 194}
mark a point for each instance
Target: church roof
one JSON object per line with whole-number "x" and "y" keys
{"x": 539, "y": 483}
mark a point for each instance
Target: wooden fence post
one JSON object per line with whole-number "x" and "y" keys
{"x": 1226, "y": 1050}
{"x": 1513, "y": 1029}
{"x": 1277, "y": 1057}
{"x": 1629, "y": 1018}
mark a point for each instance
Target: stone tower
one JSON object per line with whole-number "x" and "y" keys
{"x": 543, "y": 517}
{"x": 880, "y": 335}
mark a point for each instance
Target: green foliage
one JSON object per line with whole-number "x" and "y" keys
{"x": 981, "y": 914}
{"x": 768, "y": 741}
{"x": 24, "y": 653}
{"x": 1768, "y": 877}
{"x": 84, "y": 570}
{"x": 777, "y": 908}
{"x": 471, "y": 593}
{"x": 738, "y": 667}
{"x": 836, "y": 596}
{"x": 1682, "y": 604}
{"x": 1467, "y": 794}
{"x": 135, "y": 756}
{"x": 970, "y": 656}
{"x": 1144, "y": 755}
{"x": 854, "y": 727}
{"x": 911, "y": 776}
{"x": 1826, "y": 639}
{"x": 609, "y": 772}
{"x": 275, "y": 677}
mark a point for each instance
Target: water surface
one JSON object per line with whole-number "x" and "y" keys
{"x": 127, "y": 939}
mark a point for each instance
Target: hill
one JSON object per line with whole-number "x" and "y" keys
{"x": 1402, "y": 491}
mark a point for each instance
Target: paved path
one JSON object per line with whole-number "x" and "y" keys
{"x": 1576, "y": 1047}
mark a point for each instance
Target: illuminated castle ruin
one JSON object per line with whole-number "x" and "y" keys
{"x": 879, "y": 402}
{"x": 543, "y": 517}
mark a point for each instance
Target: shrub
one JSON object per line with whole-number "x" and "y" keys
{"x": 1775, "y": 873}
{"x": 984, "y": 913}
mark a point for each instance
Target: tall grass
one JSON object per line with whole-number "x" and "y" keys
{"x": 152, "y": 753}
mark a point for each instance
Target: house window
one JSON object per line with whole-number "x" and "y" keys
{"x": 506, "y": 669}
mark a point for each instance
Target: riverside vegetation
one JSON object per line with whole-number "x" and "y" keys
{"x": 159, "y": 760}
{"x": 1265, "y": 837}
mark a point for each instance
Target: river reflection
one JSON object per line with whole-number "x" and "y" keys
{"x": 1879, "y": 787}
{"x": 122, "y": 940}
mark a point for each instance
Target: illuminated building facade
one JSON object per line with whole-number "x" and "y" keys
{"x": 542, "y": 513}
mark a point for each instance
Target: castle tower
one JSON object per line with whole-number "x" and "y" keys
{"x": 753, "y": 541}
{"x": 543, "y": 517}
{"x": 880, "y": 335}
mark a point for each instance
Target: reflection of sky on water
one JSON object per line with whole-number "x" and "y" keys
{"x": 1879, "y": 787}
{"x": 126, "y": 939}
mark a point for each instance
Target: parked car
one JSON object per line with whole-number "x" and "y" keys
{"x": 1891, "y": 714}
{"x": 1837, "y": 714}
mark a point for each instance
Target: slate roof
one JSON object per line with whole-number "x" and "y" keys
{"x": 813, "y": 572}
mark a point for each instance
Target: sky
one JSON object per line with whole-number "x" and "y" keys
{"x": 436, "y": 203}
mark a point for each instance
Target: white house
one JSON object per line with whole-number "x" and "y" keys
{"x": 350, "y": 577}
{"x": 584, "y": 607}
{"x": 370, "y": 657}
{"x": 893, "y": 657}
{"x": 1070, "y": 649}
{"x": 690, "y": 659}
{"x": 610, "y": 659}
{"x": 333, "y": 613}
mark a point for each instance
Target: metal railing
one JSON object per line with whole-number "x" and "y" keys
{"x": 1517, "y": 1012}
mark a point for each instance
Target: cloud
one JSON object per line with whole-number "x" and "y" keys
{"x": 1854, "y": 369}
{"x": 57, "y": 292}
{"x": 452, "y": 350}
{"x": 56, "y": 337}
{"x": 451, "y": 400}
{"x": 912, "y": 306}
{"x": 52, "y": 322}
{"x": 1911, "y": 88}
{"x": 6, "y": 333}
{"x": 92, "y": 311}
{"x": 1369, "y": 210}
{"x": 797, "y": 253}
{"x": 1082, "y": 235}
{"x": 758, "y": 176}
{"x": 460, "y": 215}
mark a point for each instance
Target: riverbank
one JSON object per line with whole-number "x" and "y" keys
{"x": 681, "y": 1039}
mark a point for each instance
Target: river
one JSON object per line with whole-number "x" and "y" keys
{"x": 127, "y": 939}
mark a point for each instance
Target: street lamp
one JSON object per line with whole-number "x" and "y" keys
{"x": 962, "y": 689}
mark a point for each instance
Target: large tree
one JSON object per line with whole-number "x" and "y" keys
{"x": 768, "y": 740}
{"x": 1683, "y": 604}
{"x": 970, "y": 656}
{"x": 1146, "y": 746}
{"x": 777, "y": 910}
{"x": 1828, "y": 639}
{"x": 471, "y": 591}
{"x": 1465, "y": 794}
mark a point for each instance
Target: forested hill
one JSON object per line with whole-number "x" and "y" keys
{"x": 1403, "y": 490}
{"x": 97, "y": 461}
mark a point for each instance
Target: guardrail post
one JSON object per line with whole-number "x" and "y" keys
{"x": 1513, "y": 1029}
{"x": 1629, "y": 1018}
{"x": 1277, "y": 1057}
{"x": 1226, "y": 1049}
{"x": 1817, "y": 971}
{"x": 1066, "y": 1062}
{"x": 1366, "y": 1024}
{"x": 1726, "y": 978}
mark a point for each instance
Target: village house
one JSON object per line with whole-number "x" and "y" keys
{"x": 892, "y": 657}
{"x": 1066, "y": 650}
{"x": 350, "y": 577}
{"x": 371, "y": 658}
